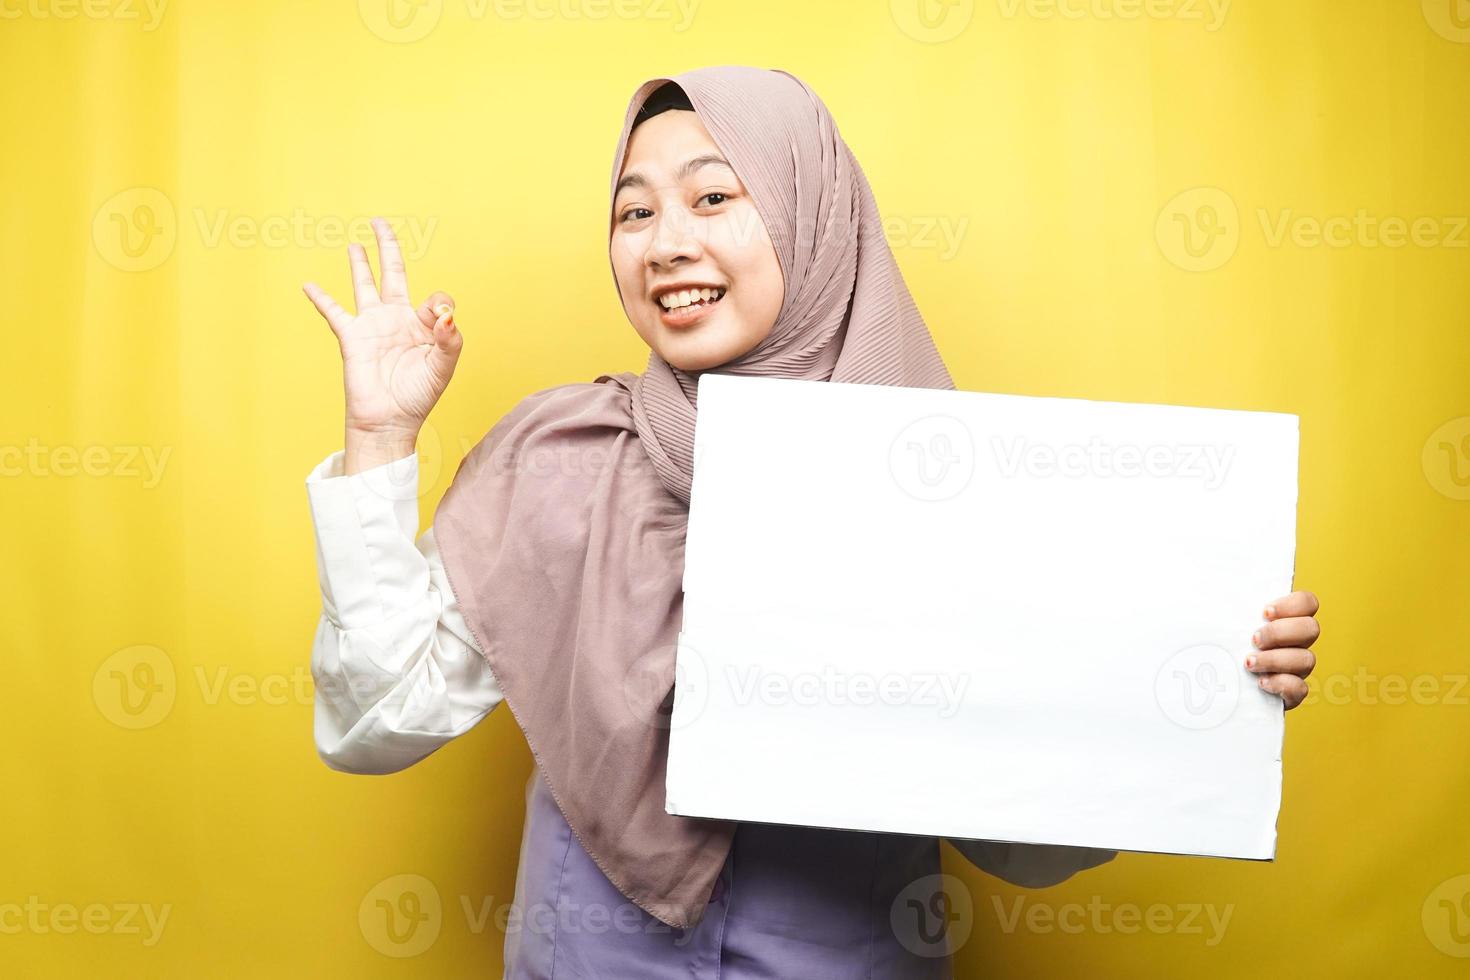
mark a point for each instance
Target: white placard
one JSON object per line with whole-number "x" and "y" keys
{"x": 982, "y": 616}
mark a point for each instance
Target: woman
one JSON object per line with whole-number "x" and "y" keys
{"x": 743, "y": 237}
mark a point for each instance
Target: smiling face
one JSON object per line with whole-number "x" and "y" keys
{"x": 683, "y": 223}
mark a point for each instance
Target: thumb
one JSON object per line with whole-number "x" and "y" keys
{"x": 432, "y": 307}
{"x": 448, "y": 342}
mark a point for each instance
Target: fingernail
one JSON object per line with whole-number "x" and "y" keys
{"x": 443, "y": 309}
{"x": 1270, "y": 612}
{"x": 1262, "y": 682}
{"x": 1256, "y": 638}
{"x": 1250, "y": 661}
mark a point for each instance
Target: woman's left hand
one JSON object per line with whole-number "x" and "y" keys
{"x": 1283, "y": 657}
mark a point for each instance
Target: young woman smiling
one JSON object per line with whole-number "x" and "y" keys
{"x": 743, "y": 236}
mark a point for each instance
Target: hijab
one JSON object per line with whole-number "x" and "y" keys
{"x": 562, "y": 533}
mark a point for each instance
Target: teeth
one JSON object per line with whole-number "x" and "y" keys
{"x": 673, "y": 301}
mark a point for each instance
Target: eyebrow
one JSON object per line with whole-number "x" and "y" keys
{"x": 684, "y": 170}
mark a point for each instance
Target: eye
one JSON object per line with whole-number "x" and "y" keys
{"x": 628, "y": 214}
{"x": 724, "y": 197}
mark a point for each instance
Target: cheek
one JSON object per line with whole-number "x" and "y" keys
{"x": 739, "y": 232}
{"x": 762, "y": 289}
{"x": 627, "y": 267}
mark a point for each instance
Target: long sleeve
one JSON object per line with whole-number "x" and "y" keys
{"x": 396, "y": 670}
{"x": 1031, "y": 865}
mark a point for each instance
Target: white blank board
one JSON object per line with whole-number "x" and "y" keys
{"x": 982, "y": 616}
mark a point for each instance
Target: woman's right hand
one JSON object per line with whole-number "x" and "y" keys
{"x": 396, "y": 359}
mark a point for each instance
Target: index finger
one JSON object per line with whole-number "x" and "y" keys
{"x": 1295, "y": 604}
{"x": 331, "y": 311}
{"x": 390, "y": 263}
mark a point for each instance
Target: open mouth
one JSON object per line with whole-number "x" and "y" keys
{"x": 686, "y": 306}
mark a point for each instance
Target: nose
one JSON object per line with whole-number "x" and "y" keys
{"x": 675, "y": 238}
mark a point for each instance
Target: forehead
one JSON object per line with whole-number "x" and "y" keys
{"x": 660, "y": 144}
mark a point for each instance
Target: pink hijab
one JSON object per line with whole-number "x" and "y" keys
{"x": 562, "y": 533}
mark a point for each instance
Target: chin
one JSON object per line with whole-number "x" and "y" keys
{"x": 691, "y": 352}
{"x": 692, "y": 361}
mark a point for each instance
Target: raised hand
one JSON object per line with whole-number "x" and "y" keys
{"x": 396, "y": 359}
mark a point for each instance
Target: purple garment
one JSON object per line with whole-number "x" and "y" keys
{"x": 790, "y": 902}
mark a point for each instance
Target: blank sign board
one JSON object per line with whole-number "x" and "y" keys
{"x": 982, "y": 616}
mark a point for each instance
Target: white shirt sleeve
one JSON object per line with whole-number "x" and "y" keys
{"x": 1031, "y": 865}
{"x": 396, "y": 671}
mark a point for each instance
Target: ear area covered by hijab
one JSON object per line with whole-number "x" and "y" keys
{"x": 562, "y": 533}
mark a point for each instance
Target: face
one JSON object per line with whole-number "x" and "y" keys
{"x": 682, "y": 222}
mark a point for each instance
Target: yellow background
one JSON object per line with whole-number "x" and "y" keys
{"x": 1059, "y": 140}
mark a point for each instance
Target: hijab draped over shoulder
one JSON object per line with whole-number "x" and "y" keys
{"x": 562, "y": 533}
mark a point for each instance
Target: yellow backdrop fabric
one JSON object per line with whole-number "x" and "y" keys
{"x": 1249, "y": 204}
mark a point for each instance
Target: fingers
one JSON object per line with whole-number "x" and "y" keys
{"x": 337, "y": 318}
{"x": 1291, "y": 688}
{"x": 1298, "y": 631}
{"x": 1296, "y": 604}
{"x": 364, "y": 290}
{"x": 430, "y": 310}
{"x": 390, "y": 264}
{"x": 448, "y": 342}
{"x": 1282, "y": 661}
